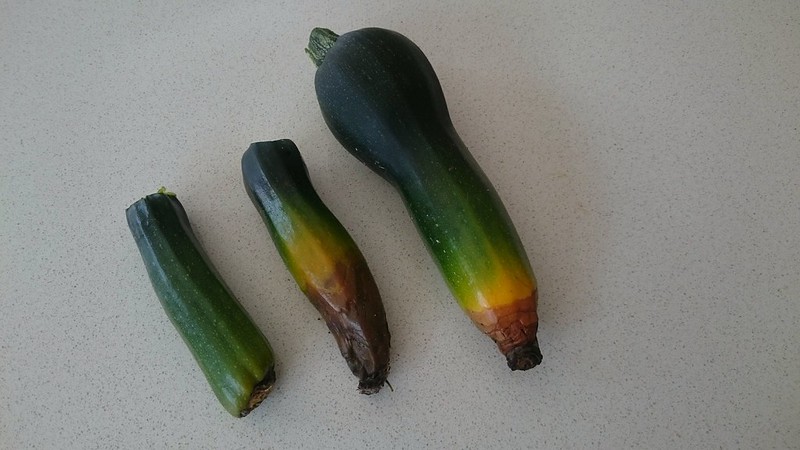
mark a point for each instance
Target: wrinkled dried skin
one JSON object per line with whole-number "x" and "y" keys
{"x": 513, "y": 328}
{"x": 351, "y": 306}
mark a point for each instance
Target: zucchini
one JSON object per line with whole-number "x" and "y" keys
{"x": 232, "y": 352}
{"x": 321, "y": 256}
{"x": 381, "y": 99}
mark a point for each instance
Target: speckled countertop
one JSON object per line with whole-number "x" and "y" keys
{"x": 648, "y": 154}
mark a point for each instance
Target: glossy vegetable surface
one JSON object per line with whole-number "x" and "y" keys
{"x": 381, "y": 99}
{"x": 230, "y": 349}
{"x": 321, "y": 256}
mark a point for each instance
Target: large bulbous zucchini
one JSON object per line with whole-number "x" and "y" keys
{"x": 381, "y": 99}
{"x": 321, "y": 256}
{"x": 230, "y": 349}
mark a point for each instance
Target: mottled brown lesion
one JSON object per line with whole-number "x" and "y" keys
{"x": 351, "y": 306}
{"x": 513, "y": 328}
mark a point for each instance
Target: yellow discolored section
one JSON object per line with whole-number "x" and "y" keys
{"x": 508, "y": 283}
{"x": 312, "y": 258}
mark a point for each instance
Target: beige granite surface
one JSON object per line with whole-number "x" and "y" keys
{"x": 648, "y": 153}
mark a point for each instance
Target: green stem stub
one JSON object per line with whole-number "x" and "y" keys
{"x": 320, "y": 41}
{"x": 163, "y": 190}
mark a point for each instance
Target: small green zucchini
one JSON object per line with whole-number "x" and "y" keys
{"x": 382, "y": 100}
{"x": 321, "y": 256}
{"x": 230, "y": 349}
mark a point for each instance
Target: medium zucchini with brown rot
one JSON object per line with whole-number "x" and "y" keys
{"x": 321, "y": 256}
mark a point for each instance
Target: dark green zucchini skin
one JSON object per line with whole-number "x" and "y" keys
{"x": 234, "y": 355}
{"x": 321, "y": 256}
{"x": 382, "y": 100}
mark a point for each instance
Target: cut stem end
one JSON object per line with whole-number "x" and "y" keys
{"x": 260, "y": 392}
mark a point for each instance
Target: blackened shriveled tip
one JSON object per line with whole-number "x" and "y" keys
{"x": 372, "y": 384}
{"x": 524, "y": 357}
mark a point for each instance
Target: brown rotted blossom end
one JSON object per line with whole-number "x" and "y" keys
{"x": 513, "y": 328}
{"x": 351, "y": 306}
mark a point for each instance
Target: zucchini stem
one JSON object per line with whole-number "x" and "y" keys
{"x": 320, "y": 41}
{"x": 163, "y": 190}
